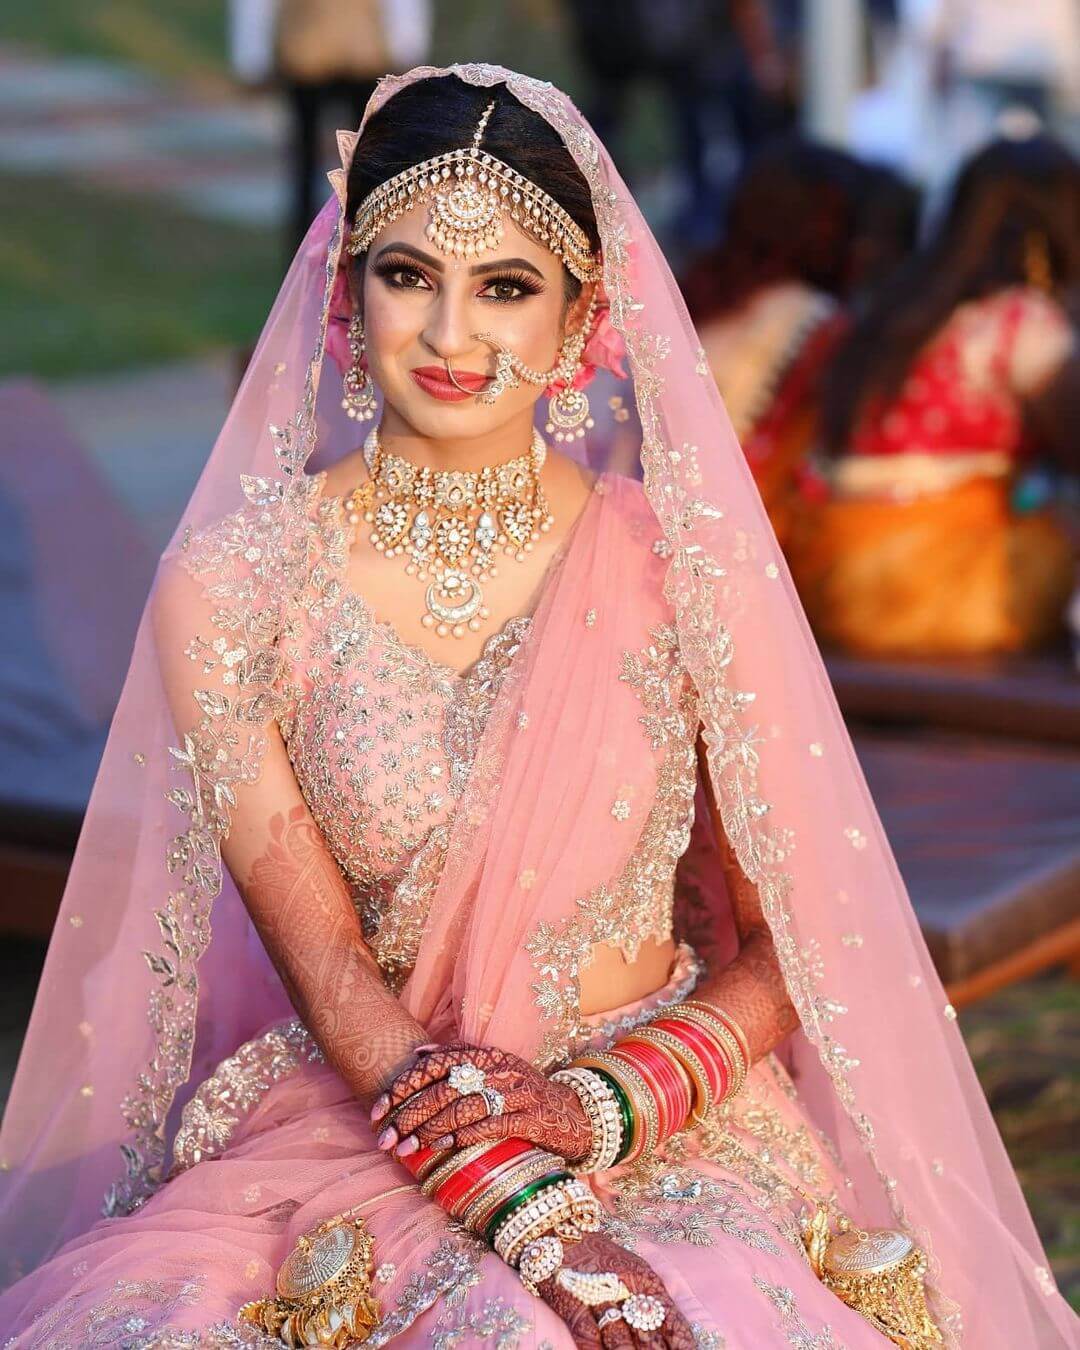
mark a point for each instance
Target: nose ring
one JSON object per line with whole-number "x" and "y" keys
{"x": 453, "y": 381}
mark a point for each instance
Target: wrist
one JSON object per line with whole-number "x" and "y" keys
{"x": 602, "y": 1116}
{"x": 665, "y": 1075}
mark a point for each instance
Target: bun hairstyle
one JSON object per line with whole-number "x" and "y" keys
{"x": 440, "y": 114}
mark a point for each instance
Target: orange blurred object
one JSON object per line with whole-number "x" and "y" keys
{"x": 948, "y": 573}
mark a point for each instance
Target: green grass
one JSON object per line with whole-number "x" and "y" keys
{"x": 183, "y": 40}
{"x": 1025, "y": 1043}
{"x": 92, "y": 281}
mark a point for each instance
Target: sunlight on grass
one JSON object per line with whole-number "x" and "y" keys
{"x": 135, "y": 283}
{"x": 175, "y": 40}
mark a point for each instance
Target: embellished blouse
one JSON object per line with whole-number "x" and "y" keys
{"x": 382, "y": 737}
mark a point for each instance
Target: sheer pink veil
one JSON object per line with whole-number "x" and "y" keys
{"x": 138, "y": 1003}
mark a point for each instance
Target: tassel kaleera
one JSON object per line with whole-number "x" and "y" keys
{"x": 878, "y": 1272}
{"x": 323, "y": 1289}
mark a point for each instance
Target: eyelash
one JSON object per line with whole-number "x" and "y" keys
{"x": 390, "y": 268}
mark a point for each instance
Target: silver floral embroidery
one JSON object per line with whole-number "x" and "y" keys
{"x": 664, "y": 1202}
{"x": 210, "y": 1118}
{"x": 382, "y": 752}
{"x": 794, "y": 1328}
{"x": 496, "y": 1323}
{"x": 126, "y": 1316}
{"x": 451, "y": 1270}
{"x": 253, "y": 580}
{"x": 638, "y": 904}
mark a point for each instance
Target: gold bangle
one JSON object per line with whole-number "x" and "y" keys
{"x": 523, "y": 1172}
{"x": 727, "y": 1020}
{"x": 645, "y": 1135}
{"x": 689, "y": 1064}
{"x": 447, "y": 1169}
{"x": 725, "y": 1041}
{"x": 734, "y": 1031}
{"x": 727, "y": 1045}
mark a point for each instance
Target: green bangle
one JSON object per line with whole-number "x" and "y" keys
{"x": 522, "y": 1198}
{"x": 625, "y": 1110}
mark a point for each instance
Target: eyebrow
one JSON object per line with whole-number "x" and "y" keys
{"x": 477, "y": 270}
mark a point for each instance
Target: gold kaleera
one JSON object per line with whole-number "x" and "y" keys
{"x": 878, "y": 1272}
{"x": 323, "y": 1289}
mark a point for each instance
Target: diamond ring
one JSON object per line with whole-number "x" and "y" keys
{"x": 466, "y": 1078}
{"x": 643, "y": 1312}
{"x": 496, "y": 1102}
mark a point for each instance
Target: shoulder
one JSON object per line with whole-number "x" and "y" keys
{"x": 339, "y": 479}
{"x": 1033, "y": 334}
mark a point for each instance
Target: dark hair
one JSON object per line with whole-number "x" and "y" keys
{"x": 888, "y": 212}
{"x": 791, "y": 216}
{"x": 439, "y": 114}
{"x": 1006, "y": 195}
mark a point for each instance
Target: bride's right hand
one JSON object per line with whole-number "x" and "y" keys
{"x": 596, "y": 1254}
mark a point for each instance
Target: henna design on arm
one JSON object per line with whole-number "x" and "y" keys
{"x": 303, "y": 912}
{"x": 751, "y": 989}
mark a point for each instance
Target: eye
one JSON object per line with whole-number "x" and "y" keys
{"x": 510, "y": 287}
{"x": 404, "y": 276}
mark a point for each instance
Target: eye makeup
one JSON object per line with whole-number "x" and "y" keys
{"x": 393, "y": 269}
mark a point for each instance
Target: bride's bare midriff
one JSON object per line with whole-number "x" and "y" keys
{"x": 610, "y": 980}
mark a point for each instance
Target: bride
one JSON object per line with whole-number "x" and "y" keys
{"x": 481, "y": 929}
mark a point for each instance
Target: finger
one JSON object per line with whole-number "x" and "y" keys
{"x": 464, "y": 1111}
{"x": 673, "y": 1333}
{"x": 420, "y": 1107}
{"x": 427, "y": 1070}
{"x": 678, "y": 1334}
{"x": 515, "y": 1125}
{"x": 579, "y": 1319}
{"x": 614, "y": 1335}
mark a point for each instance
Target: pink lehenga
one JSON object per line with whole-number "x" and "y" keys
{"x": 495, "y": 826}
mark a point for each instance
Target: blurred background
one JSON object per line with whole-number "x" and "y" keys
{"x": 873, "y": 207}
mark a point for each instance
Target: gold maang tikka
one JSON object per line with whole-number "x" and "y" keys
{"x": 451, "y": 524}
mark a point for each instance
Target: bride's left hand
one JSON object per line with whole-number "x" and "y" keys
{"x": 423, "y": 1106}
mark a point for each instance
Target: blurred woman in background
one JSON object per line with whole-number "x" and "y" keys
{"x": 768, "y": 301}
{"x": 941, "y": 395}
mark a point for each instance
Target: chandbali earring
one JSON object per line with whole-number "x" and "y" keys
{"x": 568, "y": 410}
{"x": 359, "y": 401}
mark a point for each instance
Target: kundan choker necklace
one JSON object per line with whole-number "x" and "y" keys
{"x": 451, "y": 524}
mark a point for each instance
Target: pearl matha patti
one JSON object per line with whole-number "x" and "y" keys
{"x": 452, "y": 525}
{"x": 468, "y": 193}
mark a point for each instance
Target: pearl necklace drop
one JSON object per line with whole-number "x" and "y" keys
{"x": 450, "y": 524}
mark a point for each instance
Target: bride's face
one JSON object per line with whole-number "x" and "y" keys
{"x": 422, "y": 309}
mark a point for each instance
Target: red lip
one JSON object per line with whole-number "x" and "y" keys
{"x": 433, "y": 380}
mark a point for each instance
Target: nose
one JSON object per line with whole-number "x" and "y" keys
{"x": 447, "y": 330}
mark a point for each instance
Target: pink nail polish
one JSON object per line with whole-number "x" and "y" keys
{"x": 407, "y": 1146}
{"x": 447, "y": 1141}
{"x": 388, "y": 1138}
{"x": 380, "y": 1108}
